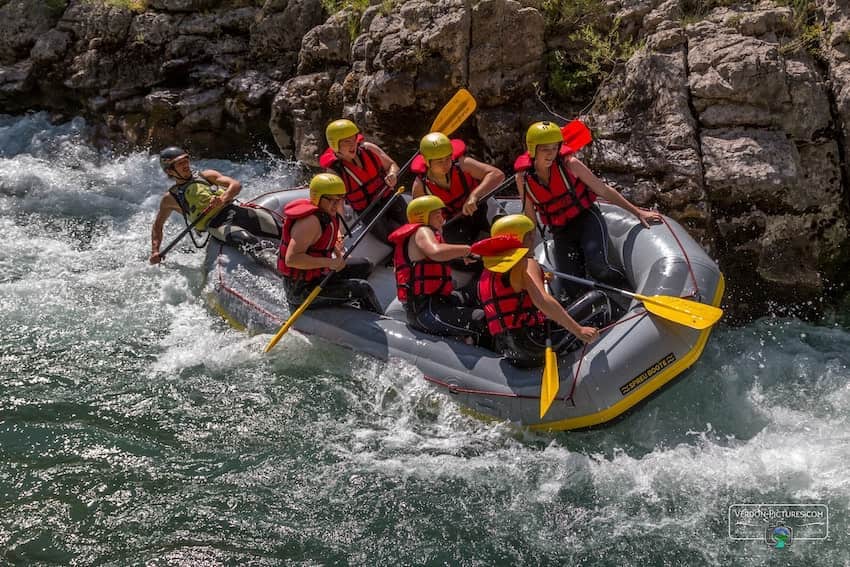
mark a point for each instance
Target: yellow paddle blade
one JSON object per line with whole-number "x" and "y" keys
{"x": 551, "y": 381}
{"x": 458, "y": 109}
{"x": 504, "y": 262}
{"x": 292, "y": 318}
{"x": 686, "y": 312}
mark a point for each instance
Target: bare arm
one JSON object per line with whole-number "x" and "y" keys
{"x": 532, "y": 282}
{"x": 438, "y": 251}
{"x": 306, "y": 232}
{"x": 167, "y": 205}
{"x": 527, "y": 204}
{"x": 231, "y": 186}
{"x": 389, "y": 164}
{"x": 603, "y": 190}
{"x": 489, "y": 176}
{"x": 418, "y": 189}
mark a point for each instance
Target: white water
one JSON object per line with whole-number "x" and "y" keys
{"x": 136, "y": 426}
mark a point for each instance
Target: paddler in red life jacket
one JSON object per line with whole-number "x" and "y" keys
{"x": 516, "y": 303}
{"x": 253, "y": 230}
{"x": 562, "y": 191}
{"x": 424, "y": 278}
{"x": 442, "y": 169}
{"x": 310, "y": 248}
{"x": 368, "y": 173}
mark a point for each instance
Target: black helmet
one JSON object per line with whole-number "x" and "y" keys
{"x": 169, "y": 155}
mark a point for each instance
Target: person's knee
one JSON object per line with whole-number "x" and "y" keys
{"x": 478, "y": 321}
{"x": 601, "y": 270}
{"x": 566, "y": 255}
{"x": 515, "y": 353}
{"x": 593, "y": 309}
{"x": 564, "y": 292}
{"x": 295, "y": 294}
{"x": 363, "y": 292}
{"x": 523, "y": 359}
{"x": 358, "y": 268}
{"x": 242, "y": 237}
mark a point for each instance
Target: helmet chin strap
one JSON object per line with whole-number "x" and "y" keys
{"x": 172, "y": 172}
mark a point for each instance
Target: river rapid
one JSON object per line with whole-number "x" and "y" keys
{"x": 137, "y": 428}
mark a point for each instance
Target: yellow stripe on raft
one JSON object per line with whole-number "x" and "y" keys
{"x": 646, "y": 388}
{"x": 216, "y": 306}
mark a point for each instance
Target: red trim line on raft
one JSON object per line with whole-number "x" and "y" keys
{"x": 222, "y": 286}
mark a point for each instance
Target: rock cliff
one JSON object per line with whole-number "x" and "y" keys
{"x": 732, "y": 119}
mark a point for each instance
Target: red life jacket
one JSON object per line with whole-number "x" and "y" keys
{"x": 420, "y": 278}
{"x": 504, "y": 308}
{"x": 362, "y": 184}
{"x": 322, "y": 248}
{"x": 564, "y": 198}
{"x": 460, "y": 182}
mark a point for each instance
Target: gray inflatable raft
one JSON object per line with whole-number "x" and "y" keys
{"x": 635, "y": 356}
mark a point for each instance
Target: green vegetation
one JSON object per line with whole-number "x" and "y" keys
{"x": 355, "y": 11}
{"x": 571, "y": 13}
{"x": 810, "y": 38}
{"x": 576, "y": 77}
{"x": 334, "y": 6}
{"x": 696, "y": 10}
{"x": 805, "y": 12}
{"x": 133, "y": 5}
{"x": 809, "y": 30}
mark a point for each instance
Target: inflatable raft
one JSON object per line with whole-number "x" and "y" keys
{"x": 634, "y": 357}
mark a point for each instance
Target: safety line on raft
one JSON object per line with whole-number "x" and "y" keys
{"x": 696, "y": 292}
{"x": 569, "y": 397}
{"x": 221, "y": 285}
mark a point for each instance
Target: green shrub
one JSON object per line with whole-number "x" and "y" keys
{"x": 334, "y": 6}
{"x": 696, "y": 10}
{"x": 809, "y": 40}
{"x": 133, "y": 5}
{"x": 805, "y": 13}
{"x": 808, "y": 27}
{"x": 577, "y": 76}
{"x": 571, "y": 13}
{"x": 356, "y": 9}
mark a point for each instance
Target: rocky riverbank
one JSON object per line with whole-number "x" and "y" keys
{"x": 731, "y": 119}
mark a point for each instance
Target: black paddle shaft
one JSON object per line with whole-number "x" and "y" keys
{"x": 363, "y": 234}
{"x": 380, "y": 195}
{"x": 503, "y": 185}
{"x": 589, "y": 283}
{"x": 180, "y": 236}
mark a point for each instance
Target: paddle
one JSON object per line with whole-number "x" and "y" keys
{"x": 576, "y": 135}
{"x": 503, "y": 185}
{"x": 459, "y": 108}
{"x": 318, "y": 289}
{"x": 182, "y": 234}
{"x": 551, "y": 381}
{"x": 686, "y": 312}
{"x": 501, "y": 263}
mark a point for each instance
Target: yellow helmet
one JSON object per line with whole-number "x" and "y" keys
{"x": 435, "y": 145}
{"x": 516, "y": 225}
{"x": 420, "y": 208}
{"x": 325, "y": 184}
{"x": 339, "y": 130}
{"x": 542, "y": 133}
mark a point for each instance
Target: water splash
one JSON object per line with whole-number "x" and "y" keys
{"x": 136, "y": 427}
